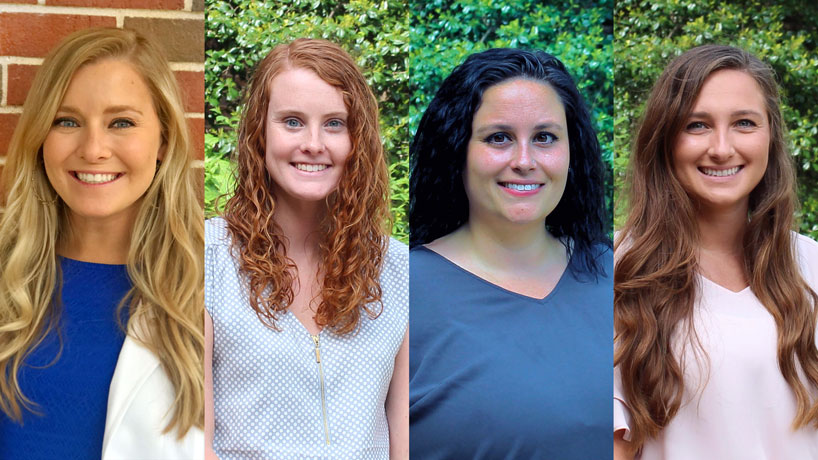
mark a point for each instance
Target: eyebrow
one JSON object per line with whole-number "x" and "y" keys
{"x": 737, "y": 113}
{"x": 108, "y": 110}
{"x": 503, "y": 127}
{"x": 298, "y": 113}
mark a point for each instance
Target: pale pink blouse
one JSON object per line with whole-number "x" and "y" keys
{"x": 741, "y": 408}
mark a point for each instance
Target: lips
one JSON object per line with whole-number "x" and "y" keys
{"x": 712, "y": 172}
{"x": 307, "y": 167}
{"x": 96, "y": 178}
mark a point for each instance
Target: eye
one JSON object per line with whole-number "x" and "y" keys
{"x": 545, "y": 137}
{"x": 65, "y": 122}
{"x": 745, "y": 123}
{"x": 292, "y": 123}
{"x": 335, "y": 124}
{"x": 121, "y": 123}
{"x": 696, "y": 126}
{"x": 497, "y": 139}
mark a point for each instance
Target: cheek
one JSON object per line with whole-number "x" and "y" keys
{"x": 340, "y": 147}
{"x": 556, "y": 162}
{"x": 486, "y": 163}
{"x": 54, "y": 149}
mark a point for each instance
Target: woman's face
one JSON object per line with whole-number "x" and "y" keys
{"x": 101, "y": 151}
{"x": 722, "y": 152}
{"x": 307, "y": 136}
{"x": 517, "y": 158}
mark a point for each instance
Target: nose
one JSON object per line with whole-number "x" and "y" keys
{"x": 313, "y": 142}
{"x": 721, "y": 145}
{"x": 523, "y": 159}
{"x": 93, "y": 147}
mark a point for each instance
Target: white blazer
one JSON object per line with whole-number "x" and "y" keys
{"x": 139, "y": 406}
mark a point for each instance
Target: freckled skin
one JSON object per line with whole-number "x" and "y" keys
{"x": 306, "y": 124}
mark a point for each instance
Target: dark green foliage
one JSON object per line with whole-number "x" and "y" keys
{"x": 579, "y": 33}
{"x": 782, "y": 33}
{"x": 240, "y": 33}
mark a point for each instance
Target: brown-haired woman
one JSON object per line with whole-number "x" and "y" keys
{"x": 307, "y": 296}
{"x": 714, "y": 297}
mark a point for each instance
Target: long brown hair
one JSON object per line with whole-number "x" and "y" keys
{"x": 655, "y": 282}
{"x": 355, "y": 237}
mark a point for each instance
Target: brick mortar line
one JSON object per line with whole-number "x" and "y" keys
{"x": 4, "y": 76}
{"x": 89, "y": 11}
{"x": 195, "y": 115}
{"x": 2, "y": 161}
{"x": 189, "y": 66}
{"x": 197, "y": 164}
{"x": 11, "y": 109}
{"x": 20, "y": 60}
{"x": 188, "y": 6}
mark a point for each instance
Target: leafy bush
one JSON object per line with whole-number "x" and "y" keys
{"x": 578, "y": 32}
{"x": 649, "y": 34}
{"x": 239, "y": 33}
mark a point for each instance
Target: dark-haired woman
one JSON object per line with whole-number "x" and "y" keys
{"x": 510, "y": 267}
{"x": 715, "y": 294}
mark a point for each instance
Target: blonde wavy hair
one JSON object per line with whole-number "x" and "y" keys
{"x": 164, "y": 261}
{"x": 355, "y": 236}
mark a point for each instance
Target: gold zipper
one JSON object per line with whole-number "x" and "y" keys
{"x": 321, "y": 376}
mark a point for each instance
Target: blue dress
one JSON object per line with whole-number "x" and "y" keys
{"x": 288, "y": 395}
{"x": 499, "y": 375}
{"x": 70, "y": 385}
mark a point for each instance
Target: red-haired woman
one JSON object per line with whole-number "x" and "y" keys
{"x": 307, "y": 297}
{"x": 714, "y": 294}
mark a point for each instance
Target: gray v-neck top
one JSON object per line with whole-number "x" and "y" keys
{"x": 499, "y": 375}
{"x": 272, "y": 398}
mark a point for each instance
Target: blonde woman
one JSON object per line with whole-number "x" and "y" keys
{"x": 101, "y": 242}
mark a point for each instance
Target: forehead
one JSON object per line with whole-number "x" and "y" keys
{"x": 303, "y": 90}
{"x": 108, "y": 82}
{"x": 520, "y": 98}
{"x": 729, "y": 91}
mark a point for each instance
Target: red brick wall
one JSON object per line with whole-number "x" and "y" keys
{"x": 30, "y": 28}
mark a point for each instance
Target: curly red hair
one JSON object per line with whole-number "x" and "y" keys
{"x": 355, "y": 235}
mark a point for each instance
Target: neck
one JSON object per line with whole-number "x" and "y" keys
{"x": 99, "y": 240}
{"x": 511, "y": 248}
{"x": 300, "y": 223}
{"x": 722, "y": 230}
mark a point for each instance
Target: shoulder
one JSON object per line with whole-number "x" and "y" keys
{"x": 216, "y": 233}
{"x": 397, "y": 253}
{"x": 806, "y": 253}
{"x": 593, "y": 264}
{"x": 805, "y": 245}
{"x": 395, "y": 270}
{"x": 140, "y": 404}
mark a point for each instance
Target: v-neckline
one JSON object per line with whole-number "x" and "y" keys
{"x": 496, "y": 286}
{"x": 719, "y": 286}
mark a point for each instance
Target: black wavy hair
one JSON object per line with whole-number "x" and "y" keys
{"x": 438, "y": 203}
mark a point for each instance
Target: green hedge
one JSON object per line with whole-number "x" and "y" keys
{"x": 240, "y": 33}
{"x": 579, "y": 33}
{"x": 649, "y": 34}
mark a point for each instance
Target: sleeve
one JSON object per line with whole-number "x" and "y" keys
{"x": 622, "y": 414}
{"x": 216, "y": 247}
{"x": 210, "y": 263}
